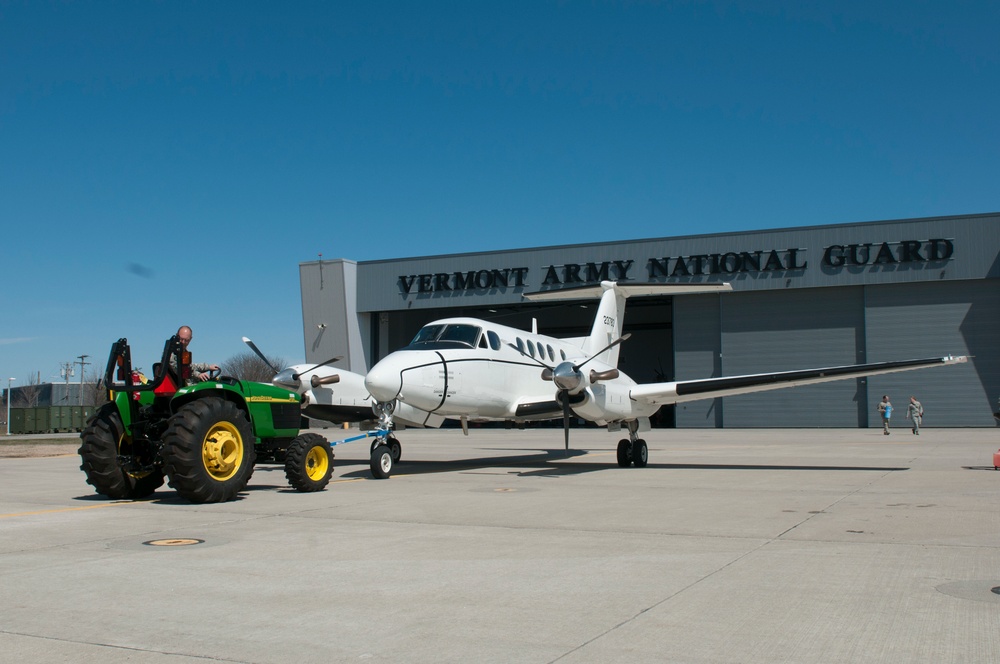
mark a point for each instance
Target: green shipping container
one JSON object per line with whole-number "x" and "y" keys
{"x": 36, "y": 420}
{"x": 61, "y": 419}
{"x": 29, "y": 420}
{"x": 17, "y": 420}
{"x": 42, "y": 424}
{"x": 57, "y": 417}
{"x": 80, "y": 416}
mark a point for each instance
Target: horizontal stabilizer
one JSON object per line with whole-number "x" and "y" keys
{"x": 626, "y": 290}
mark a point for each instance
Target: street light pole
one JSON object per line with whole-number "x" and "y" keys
{"x": 9, "y": 397}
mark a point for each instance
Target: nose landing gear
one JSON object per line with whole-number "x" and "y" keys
{"x": 386, "y": 450}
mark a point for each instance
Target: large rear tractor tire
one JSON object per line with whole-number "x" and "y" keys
{"x": 101, "y": 444}
{"x": 208, "y": 452}
{"x": 309, "y": 462}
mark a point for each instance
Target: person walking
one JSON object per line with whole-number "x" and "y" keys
{"x": 915, "y": 412}
{"x": 885, "y": 410}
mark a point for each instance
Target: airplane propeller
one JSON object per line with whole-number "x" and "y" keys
{"x": 338, "y": 358}
{"x": 294, "y": 378}
{"x": 563, "y": 398}
{"x": 261, "y": 355}
{"x": 568, "y": 378}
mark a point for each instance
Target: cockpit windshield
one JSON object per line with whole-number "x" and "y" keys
{"x": 427, "y": 334}
{"x": 446, "y": 336}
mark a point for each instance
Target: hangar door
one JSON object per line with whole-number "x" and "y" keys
{"x": 932, "y": 319}
{"x": 761, "y": 331}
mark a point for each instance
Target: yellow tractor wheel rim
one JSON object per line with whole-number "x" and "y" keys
{"x": 222, "y": 451}
{"x": 317, "y": 463}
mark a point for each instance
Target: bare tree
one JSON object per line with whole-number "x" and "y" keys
{"x": 28, "y": 395}
{"x": 247, "y": 366}
{"x": 94, "y": 391}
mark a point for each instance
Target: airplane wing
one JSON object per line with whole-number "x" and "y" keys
{"x": 710, "y": 388}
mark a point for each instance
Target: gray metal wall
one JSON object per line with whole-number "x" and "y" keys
{"x": 698, "y": 354}
{"x": 775, "y": 330}
{"x": 740, "y": 333}
{"x": 331, "y": 323}
{"x": 918, "y": 320}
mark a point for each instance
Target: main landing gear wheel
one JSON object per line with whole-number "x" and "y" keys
{"x": 624, "y": 453}
{"x": 309, "y": 462}
{"x": 381, "y": 462}
{"x": 640, "y": 453}
{"x": 632, "y": 452}
{"x": 102, "y": 443}
{"x": 208, "y": 452}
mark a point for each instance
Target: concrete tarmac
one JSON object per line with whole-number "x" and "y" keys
{"x": 732, "y": 546}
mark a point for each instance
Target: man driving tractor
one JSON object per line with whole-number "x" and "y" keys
{"x": 199, "y": 370}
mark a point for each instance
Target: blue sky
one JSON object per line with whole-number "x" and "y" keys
{"x": 173, "y": 162}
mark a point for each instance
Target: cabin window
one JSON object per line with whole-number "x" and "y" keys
{"x": 562, "y": 353}
{"x": 520, "y": 345}
{"x": 531, "y": 348}
{"x": 494, "y": 340}
{"x": 552, "y": 354}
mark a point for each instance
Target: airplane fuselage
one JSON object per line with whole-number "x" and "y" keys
{"x": 483, "y": 371}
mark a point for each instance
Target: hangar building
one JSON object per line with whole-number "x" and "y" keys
{"x": 804, "y": 297}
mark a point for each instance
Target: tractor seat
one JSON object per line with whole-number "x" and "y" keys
{"x": 171, "y": 383}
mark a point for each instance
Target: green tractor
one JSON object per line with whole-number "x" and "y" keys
{"x": 203, "y": 438}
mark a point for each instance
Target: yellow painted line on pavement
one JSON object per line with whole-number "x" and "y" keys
{"x": 66, "y": 509}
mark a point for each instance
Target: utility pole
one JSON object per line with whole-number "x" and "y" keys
{"x": 82, "y": 365}
{"x": 66, "y": 372}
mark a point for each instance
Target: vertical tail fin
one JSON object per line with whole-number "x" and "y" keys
{"x": 607, "y": 324}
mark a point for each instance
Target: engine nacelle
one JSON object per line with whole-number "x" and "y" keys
{"x": 610, "y": 402}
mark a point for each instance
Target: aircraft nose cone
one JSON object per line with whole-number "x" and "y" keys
{"x": 383, "y": 382}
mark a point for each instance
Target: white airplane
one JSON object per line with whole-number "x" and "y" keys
{"x": 469, "y": 369}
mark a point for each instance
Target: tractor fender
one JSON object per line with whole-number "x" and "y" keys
{"x": 230, "y": 392}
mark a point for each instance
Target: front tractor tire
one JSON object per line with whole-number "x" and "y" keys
{"x": 309, "y": 462}
{"x": 208, "y": 450}
{"x": 102, "y": 443}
